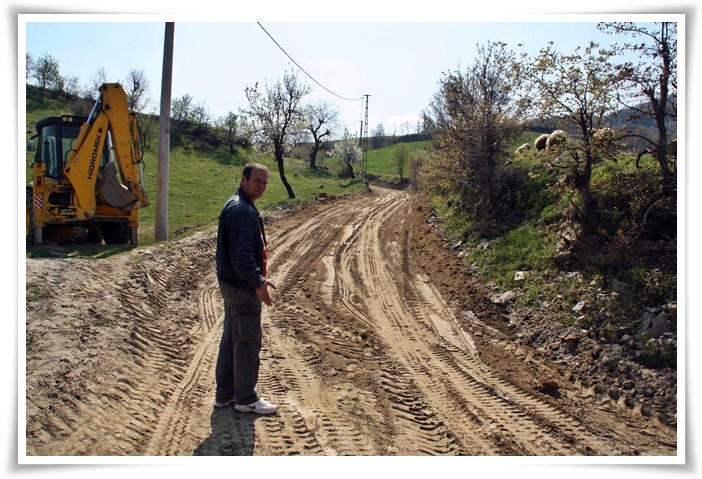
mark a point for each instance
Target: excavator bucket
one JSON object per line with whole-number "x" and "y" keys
{"x": 112, "y": 192}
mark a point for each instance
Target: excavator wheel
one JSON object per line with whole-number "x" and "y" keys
{"x": 117, "y": 232}
{"x": 94, "y": 235}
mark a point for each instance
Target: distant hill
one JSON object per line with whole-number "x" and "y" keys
{"x": 644, "y": 123}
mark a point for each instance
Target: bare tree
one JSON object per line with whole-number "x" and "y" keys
{"x": 322, "y": 122}
{"x": 276, "y": 113}
{"x": 417, "y": 161}
{"x": 60, "y": 84}
{"x": 378, "y": 134}
{"x": 401, "y": 158}
{"x": 71, "y": 85}
{"x": 406, "y": 127}
{"x": 46, "y": 72}
{"x": 652, "y": 82}
{"x": 146, "y": 126}
{"x": 137, "y": 87}
{"x": 92, "y": 89}
{"x": 200, "y": 114}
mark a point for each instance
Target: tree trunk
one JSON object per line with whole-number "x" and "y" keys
{"x": 350, "y": 167}
{"x": 313, "y": 155}
{"x": 662, "y": 156}
{"x": 581, "y": 179}
{"x": 281, "y": 170}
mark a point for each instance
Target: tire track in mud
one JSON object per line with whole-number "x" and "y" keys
{"x": 294, "y": 430}
{"x": 307, "y": 422}
{"x": 81, "y": 423}
{"x": 343, "y": 242}
{"x": 174, "y": 424}
{"x": 482, "y": 395}
{"x": 306, "y": 400}
{"x": 361, "y": 353}
{"x": 458, "y": 352}
{"x": 179, "y": 425}
{"x": 433, "y": 437}
{"x": 405, "y": 316}
{"x": 138, "y": 410}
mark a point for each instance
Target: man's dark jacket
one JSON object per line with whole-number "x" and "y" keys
{"x": 240, "y": 243}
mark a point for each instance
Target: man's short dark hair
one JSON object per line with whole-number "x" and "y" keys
{"x": 253, "y": 166}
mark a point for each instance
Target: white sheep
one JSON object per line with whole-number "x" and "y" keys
{"x": 604, "y": 133}
{"x": 522, "y": 149}
{"x": 672, "y": 148}
{"x": 540, "y": 142}
{"x": 555, "y": 138}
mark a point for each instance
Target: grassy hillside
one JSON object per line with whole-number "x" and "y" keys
{"x": 380, "y": 163}
{"x": 540, "y": 253}
{"x": 200, "y": 182}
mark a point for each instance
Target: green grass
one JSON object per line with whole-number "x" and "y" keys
{"x": 455, "y": 225}
{"x": 77, "y": 250}
{"x": 35, "y": 291}
{"x": 527, "y": 248}
{"x": 380, "y": 162}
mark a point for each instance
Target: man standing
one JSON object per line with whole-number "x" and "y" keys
{"x": 241, "y": 271}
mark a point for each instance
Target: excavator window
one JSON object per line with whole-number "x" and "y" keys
{"x": 69, "y": 134}
{"x": 58, "y": 141}
{"x": 48, "y": 151}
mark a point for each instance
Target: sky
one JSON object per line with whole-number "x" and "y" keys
{"x": 396, "y": 52}
{"x": 397, "y": 64}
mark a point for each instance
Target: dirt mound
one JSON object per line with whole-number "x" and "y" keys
{"x": 586, "y": 359}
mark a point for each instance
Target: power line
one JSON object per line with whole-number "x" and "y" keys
{"x": 298, "y": 66}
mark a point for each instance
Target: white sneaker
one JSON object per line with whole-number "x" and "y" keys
{"x": 259, "y": 407}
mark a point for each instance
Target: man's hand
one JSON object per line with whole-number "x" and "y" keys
{"x": 262, "y": 292}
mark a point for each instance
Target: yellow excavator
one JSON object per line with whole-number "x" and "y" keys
{"x": 75, "y": 189}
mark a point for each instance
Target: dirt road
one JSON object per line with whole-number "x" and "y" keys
{"x": 377, "y": 344}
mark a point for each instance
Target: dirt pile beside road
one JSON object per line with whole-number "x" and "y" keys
{"x": 583, "y": 360}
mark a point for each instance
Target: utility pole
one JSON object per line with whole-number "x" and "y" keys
{"x": 364, "y": 161}
{"x": 164, "y": 137}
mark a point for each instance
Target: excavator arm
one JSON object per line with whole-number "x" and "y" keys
{"x": 82, "y": 166}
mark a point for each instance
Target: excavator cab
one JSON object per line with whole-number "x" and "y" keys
{"x": 56, "y": 139}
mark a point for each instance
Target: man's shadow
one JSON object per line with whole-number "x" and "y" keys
{"x": 233, "y": 434}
